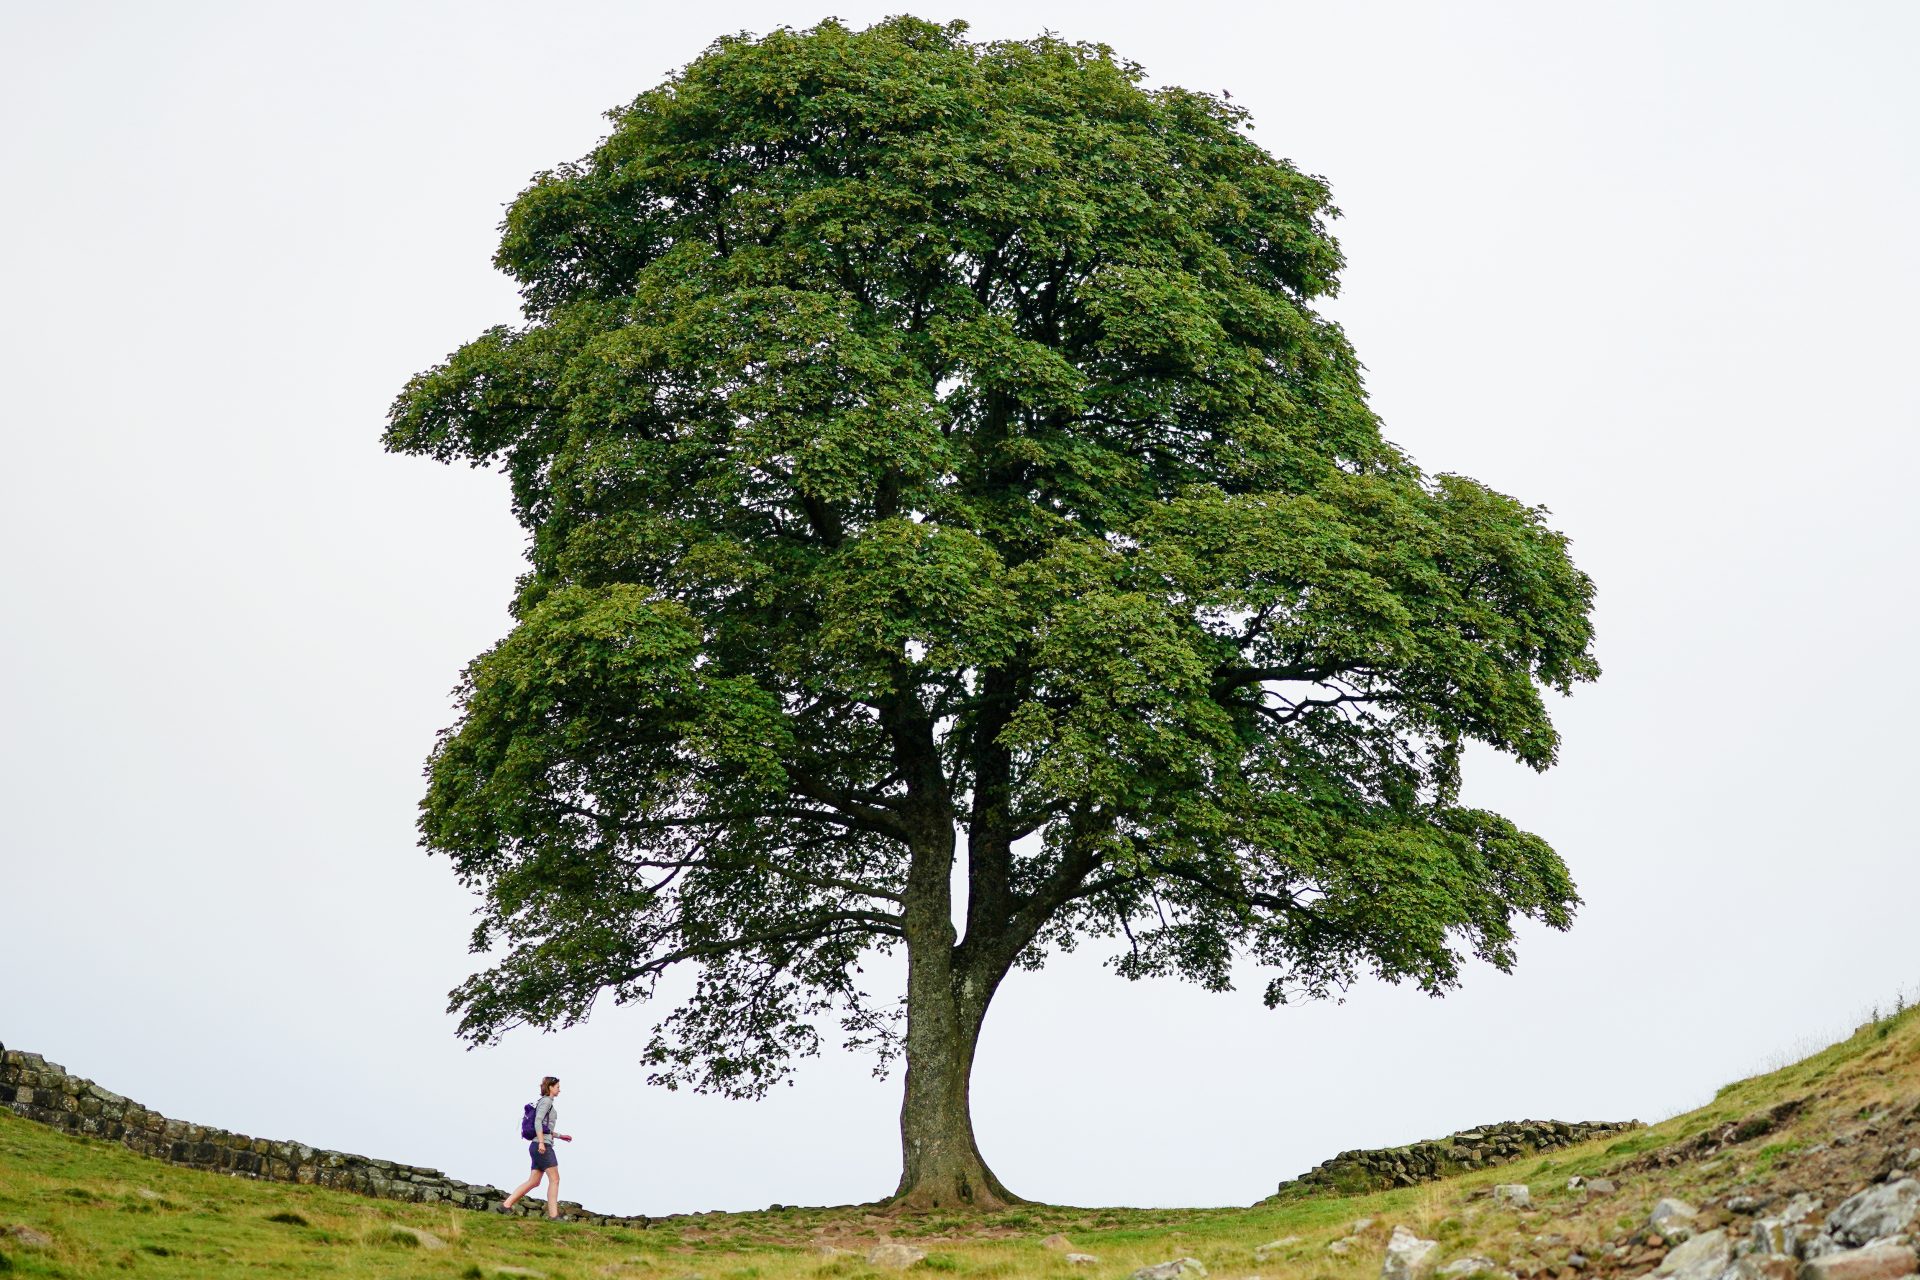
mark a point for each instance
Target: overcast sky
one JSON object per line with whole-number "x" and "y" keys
{"x": 1651, "y": 265}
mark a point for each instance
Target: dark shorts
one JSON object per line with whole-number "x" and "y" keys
{"x": 541, "y": 1163}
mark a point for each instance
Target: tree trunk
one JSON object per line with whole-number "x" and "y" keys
{"x": 941, "y": 1166}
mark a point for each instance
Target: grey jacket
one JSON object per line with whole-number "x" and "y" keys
{"x": 546, "y": 1117}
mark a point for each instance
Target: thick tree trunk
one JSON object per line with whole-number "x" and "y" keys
{"x": 941, "y": 1167}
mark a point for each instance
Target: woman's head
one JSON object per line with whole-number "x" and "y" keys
{"x": 550, "y": 1086}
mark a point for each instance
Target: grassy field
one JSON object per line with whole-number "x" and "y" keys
{"x": 91, "y": 1208}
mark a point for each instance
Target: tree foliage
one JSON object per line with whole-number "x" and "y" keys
{"x": 930, "y": 450}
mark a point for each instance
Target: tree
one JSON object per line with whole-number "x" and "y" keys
{"x": 930, "y": 451}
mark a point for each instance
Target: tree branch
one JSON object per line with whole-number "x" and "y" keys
{"x": 814, "y": 929}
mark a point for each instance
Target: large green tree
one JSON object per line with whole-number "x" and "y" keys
{"x": 932, "y": 458}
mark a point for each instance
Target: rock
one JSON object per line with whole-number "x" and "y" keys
{"x": 425, "y": 1239}
{"x": 1672, "y": 1219}
{"x": 1473, "y": 1265}
{"x": 1774, "y": 1235}
{"x": 894, "y": 1254}
{"x": 1359, "y": 1225}
{"x": 1801, "y": 1207}
{"x": 1576, "y": 1182}
{"x": 1342, "y": 1247}
{"x": 1057, "y": 1242}
{"x": 833, "y": 1251}
{"x": 1782, "y": 1232}
{"x": 1081, "y": 1259}
{"x": 1766, "y": 1266}
{"x": 1601, "y": 1186}
{"x": 148, "y": 1193}
{"x": 1513, "y": 1193}
{"x": 1408, "y": 1256}
{"x": 1263, "y": 1252}
{"x": 1875, "y": 1262}
{"x": 1178, "y": 1269}
{"x": 1743, "y": 1204}
{"x": 1703, "y": 1257}
{"x": 29, "y": 1237}
{"x": 1885, "y": 1210}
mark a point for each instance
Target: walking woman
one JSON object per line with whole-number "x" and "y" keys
{"x": 546, "y": 1161}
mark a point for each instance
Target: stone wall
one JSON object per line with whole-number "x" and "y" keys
{"x": 1352, "y": 1172}
{"x": 43, "y": 1091}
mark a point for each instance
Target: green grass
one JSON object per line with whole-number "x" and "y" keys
{"x": 112, "y": 1213}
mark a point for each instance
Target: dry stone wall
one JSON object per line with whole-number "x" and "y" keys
{"x": 43, "y": 1091}
{"x": 1357, "y": 1171}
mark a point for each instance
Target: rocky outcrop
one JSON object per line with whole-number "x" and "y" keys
{"x": 1352, "y": 1172}
{"x": 45, "y": 1092}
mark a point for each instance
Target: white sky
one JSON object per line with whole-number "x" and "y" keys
{"x": 1652, "y": 265}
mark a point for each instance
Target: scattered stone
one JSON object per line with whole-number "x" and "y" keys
{"x": 1359, "y": 1225}
{"x": 1576, "y": 1182}
{"x": 1513, "y": 1193}
{"x": 1601, "y": 1186}
{"x": 1703, "y": 1257}
{"x": 1673, "y": 1219}
{"x": 1057, "y": 1242}
{"x": 30, "y": 1238}
{"x": 148, "y": 1193}
{"x": 1744, "y": 1204}
{"x": 893, "y": 1254}
{"x": 1408, "y": 1256}
{"x": 1081, "y": 1259}
{"x": 1472, "y": 1265}
{"x": 1262, "y": 1253}
{"x": 1342, "y": 1247}
{"x": 425, "y": 1239}
{"x": 1177, "y": 1269}
{"x": 1876, "y": 1262}
{"x": 833, "y": 1251}
{"x": 1885, "y": 1210}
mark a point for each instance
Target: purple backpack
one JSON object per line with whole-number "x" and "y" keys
{"x": 526, "y": 1123}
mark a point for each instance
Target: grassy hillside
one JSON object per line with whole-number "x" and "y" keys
{"x": 91, "y": 1208}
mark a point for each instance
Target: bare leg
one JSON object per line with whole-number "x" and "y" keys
{"x": 513, "y": 1199}
{"x": 553, "y": 1193}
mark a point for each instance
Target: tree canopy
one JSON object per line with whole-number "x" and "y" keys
{"x": 931, "y": 451}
